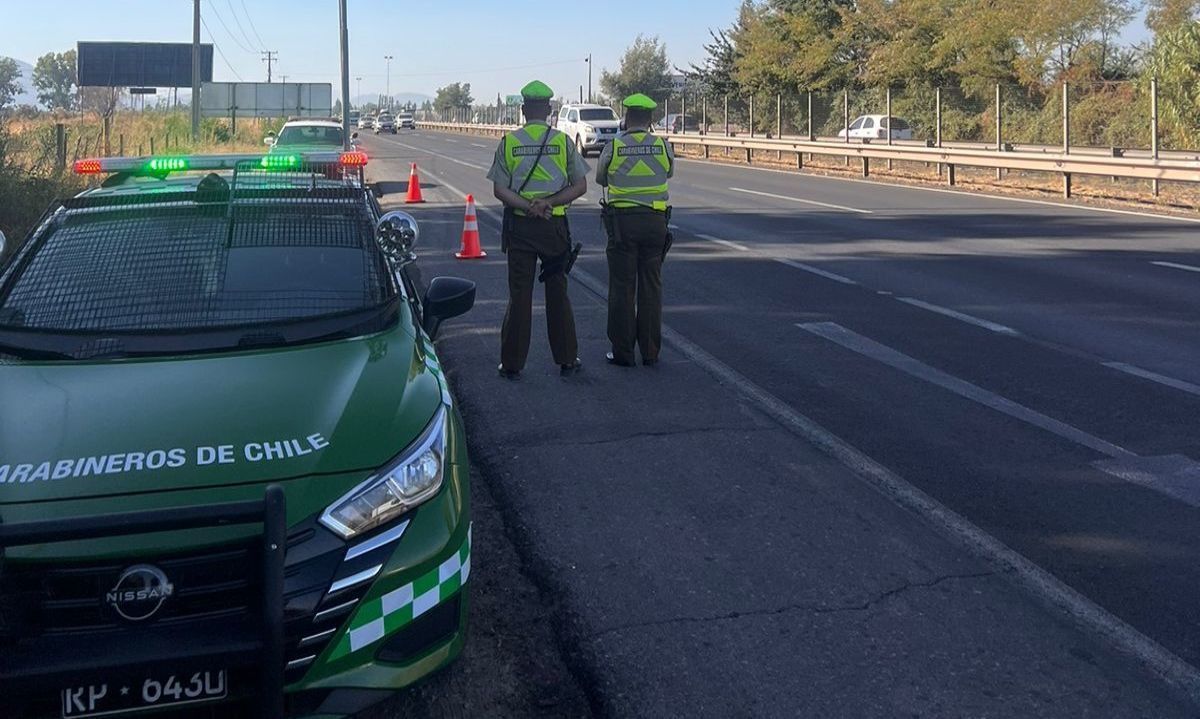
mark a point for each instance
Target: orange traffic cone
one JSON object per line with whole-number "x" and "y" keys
{"x": 470, "y": 237}
{"x": 414, "y": 187}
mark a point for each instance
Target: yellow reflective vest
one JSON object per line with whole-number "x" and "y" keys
{"x": 637, "y": 172}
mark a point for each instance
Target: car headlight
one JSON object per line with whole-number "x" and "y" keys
{"x": 405, "y": 482}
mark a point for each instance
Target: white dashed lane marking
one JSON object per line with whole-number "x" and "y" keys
{"x": 1177, "y": 266}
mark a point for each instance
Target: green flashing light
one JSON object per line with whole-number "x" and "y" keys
{"x": 280, "y": 162}
{"x": 168, "y": 164}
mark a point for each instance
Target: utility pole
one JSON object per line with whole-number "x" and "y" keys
{"x": 345, "y": 39}
{"x": 196, "y": 72}
{"x": 589, "y": 64}
{"x": 359, "y": 78}
{"x": 269, "y": 56}
{"x": 284, "y": 78}
{"x": 389, "y": 80}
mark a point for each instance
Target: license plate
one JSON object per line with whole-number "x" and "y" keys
{"x": 143, "y": 694}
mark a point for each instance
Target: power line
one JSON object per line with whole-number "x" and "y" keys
{"x": 251, "y": 21}
{"x": 238, "y": 22}
{"x": 218, "y": 49}
{"x": 213, "y": 6}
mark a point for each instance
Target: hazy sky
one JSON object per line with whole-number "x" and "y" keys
{"x": 495, "y": 46}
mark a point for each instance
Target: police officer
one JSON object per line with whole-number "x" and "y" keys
{"x": 537, "y": 172}
{"x": 635, "y": 167}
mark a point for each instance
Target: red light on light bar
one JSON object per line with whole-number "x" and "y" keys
{"x": 353, "y": 159}
{"x": 88, "y": 167}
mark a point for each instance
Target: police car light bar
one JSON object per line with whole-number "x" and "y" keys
{"x": 157, "y": 166}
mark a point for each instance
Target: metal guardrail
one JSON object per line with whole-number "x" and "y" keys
{"x": 1064, "y": 163}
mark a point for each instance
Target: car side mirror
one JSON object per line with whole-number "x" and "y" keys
{"x": 397, "y": 234}
{"x": 269, "y": 140}
{"x": 447, "y": 297}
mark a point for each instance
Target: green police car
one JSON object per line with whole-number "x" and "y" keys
{"x": 233, "y": 481}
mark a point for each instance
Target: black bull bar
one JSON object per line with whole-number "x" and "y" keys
{"x": 270, "y": 511}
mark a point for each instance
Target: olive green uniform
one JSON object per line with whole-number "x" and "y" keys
{"x": 638, "y": 238}
{"x": 530, "y": 239}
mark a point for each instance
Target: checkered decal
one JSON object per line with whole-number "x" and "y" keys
{"x": 394, "y": 610}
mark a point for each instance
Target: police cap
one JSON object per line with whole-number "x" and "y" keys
{"x": 638, "y": 101}
{"x": 537, "y": 90}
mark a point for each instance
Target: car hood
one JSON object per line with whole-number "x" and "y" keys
{"x": 606, "y": 124}
{"x": 94, "y": 429}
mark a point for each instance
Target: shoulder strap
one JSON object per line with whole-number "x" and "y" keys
{"x": 536, "y": 160}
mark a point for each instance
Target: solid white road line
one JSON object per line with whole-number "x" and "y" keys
{"x": 476, "y": 144}
{"x": 881, "y": 353}
{"x": 1085, "y": 613}
{"x": 986, "y": 324}
{"x": 805, "y": 202}
{"x": 815, "y": 270}
{"x": 922, "y": 188}
{"x": 1177, "y": 266}
{"x": 726, "y": 243}
{"x": 453, "y": 142}
{"x": 1162, "y": 379}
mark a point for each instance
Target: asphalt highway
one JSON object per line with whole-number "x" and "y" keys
{"x": 1029, "y": 367}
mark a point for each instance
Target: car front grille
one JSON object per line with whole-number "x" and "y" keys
{"x": 320, "y": 594}
{"x": 49, "y": 599}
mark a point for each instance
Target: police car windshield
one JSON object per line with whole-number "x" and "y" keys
{"x": 310, "y": 136}
{"x": 597, "y": 113}
{"x": 185, "y": 268}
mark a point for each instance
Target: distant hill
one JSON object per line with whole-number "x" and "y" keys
{"x": 28, "y": 95}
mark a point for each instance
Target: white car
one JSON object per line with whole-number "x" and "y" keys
{"x": 405, "y": 120}
{"x": 385, "y": 123}
{"x": 366, "y": 122}
{"x": 876, "y": 126}
{"x": 302, "y": 134}
{"x": 590, "y": 127}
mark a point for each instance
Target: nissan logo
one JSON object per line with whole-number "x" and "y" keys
{"x": 139, "y": 592}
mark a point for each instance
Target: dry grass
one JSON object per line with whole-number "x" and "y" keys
{"x": 30, "y": 182}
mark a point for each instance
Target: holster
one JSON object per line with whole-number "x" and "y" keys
{"x": 564, "y": 262}
{"x": 670, "y": 236}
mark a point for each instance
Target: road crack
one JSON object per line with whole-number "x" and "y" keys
{"x": 638, "y": 435}
{"x": 853, "y": 607}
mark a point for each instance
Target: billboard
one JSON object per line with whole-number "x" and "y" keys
{"x": 266, "y": 99}
{"x": 140, "y": 64}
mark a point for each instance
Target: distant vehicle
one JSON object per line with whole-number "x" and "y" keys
{"x": 677, "y": 123}
{"x": 384, "y": 123}
{"x": 876, "y": 126}
{"x": 405, "y": 120}
{"x": 308, "y": 135}
{"x": 590, "y": 127}
{"x": 366, "y": 122}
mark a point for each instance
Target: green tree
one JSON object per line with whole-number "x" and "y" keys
{"x": 716, "y": 72}
{"x": 1175, "y": 61}
{"x": 454, "y": 96}
{"x": 1166, "y": 15}
{"x": 54, "y": 78}
{"x": 10, "y": 81}
{"x": 644, "y": 68}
